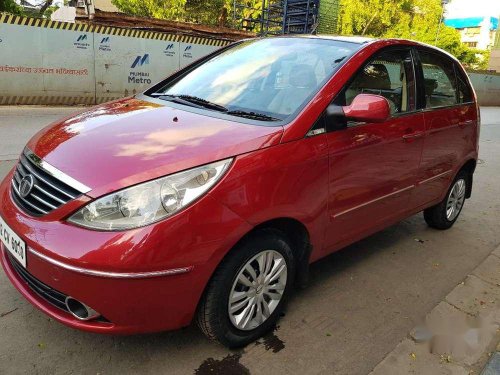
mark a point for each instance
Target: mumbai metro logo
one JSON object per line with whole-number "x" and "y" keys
{"x": 187, "y": 52}
{"x": 105, "y": 44}
{"x": 138, "y": 76}
{"x": 81, "y": 42}
{"x": 140, "y": 61}
{"x": 169, "y": 50}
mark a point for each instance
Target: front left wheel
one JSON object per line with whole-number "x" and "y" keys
{"x": 247, "y": 293}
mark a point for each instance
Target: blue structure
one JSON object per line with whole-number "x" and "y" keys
{"x": 470, "y": 22}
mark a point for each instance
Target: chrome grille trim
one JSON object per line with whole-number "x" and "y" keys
{"x": 48, "y": 194}
{"x": 56, "y": 173}
{"x": 45, "y": 192}
{"x": 18, "y": 196}
{"x": 24, "y": 163}
{"x": 43, "y": 202}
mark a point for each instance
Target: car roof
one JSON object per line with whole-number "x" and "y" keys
{"x": 382, "y": 42}
{"x": 352, "y": 39}
{"x": 365, "y": 41}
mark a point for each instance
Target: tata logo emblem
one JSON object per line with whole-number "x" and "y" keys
{"x": 140, "y": 61}
{"x": 82, "y": 38}
{"x": 26, "y": 185}
{"x": 105, "y": 40}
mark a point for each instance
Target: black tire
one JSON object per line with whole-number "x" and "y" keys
{"x": 436, "y": 216}
{"x": 213, "y": 317}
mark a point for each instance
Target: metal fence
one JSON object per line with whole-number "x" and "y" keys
{"x": 48, "y": 62}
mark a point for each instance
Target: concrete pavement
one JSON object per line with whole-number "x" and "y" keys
{"x": 360, "y": 304}
{"x": 19, "y": 124}
{"x": 463, "y": 330}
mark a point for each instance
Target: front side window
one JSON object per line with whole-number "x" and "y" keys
{"x": 439, "y": 80}
{"x": 391, "y": 75}
{"x": 274, "y": 76}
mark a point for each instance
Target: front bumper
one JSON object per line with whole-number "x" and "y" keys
{"x": 195, "y": 240}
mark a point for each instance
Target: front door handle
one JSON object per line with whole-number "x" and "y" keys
{"x": 408, "y": 137}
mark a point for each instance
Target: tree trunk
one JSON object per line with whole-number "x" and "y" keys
{"x": 45, "y": 5}
{"x": 369, "y": 22}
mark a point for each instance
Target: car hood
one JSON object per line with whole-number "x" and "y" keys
{"x": 129, "y": 141}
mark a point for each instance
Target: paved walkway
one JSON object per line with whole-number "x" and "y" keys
{"x": 458, "y": 334}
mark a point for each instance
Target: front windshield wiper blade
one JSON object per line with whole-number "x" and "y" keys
{"x": 203, "y": 102}
{"x": 253, "y": 115}
{"x": 192, "y": 101}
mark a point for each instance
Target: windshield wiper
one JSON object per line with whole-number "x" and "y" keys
{"x": 196, "y": 102}
{"x": 253, "y": 115}
{"x": 203, "y": 102}
{"x": 192, "y": 101}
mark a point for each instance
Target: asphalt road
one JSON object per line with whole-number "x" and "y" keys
{"x": 360, "y": 303}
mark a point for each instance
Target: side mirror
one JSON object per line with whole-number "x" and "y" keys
{"x": 368, "y": 108}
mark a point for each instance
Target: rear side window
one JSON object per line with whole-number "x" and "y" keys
{"x": 439, "y": 80}
{"x": 464, "y": 90}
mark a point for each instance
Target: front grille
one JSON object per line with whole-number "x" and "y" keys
{"x": 47, "y": 192}
{"x": 50, "y": 295}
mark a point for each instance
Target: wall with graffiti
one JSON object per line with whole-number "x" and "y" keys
{"x": 48, "y": 62}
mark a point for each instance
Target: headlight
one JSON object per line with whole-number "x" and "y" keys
{"x": 149, "y": 202}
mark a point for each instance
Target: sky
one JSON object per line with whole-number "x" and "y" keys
{"x": 473, "y": 8}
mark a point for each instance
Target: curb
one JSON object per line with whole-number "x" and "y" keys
{"x": 459, "y": 335}
{"x": 493, "y": 366}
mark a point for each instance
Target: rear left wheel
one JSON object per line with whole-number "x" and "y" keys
{"x": 248, "y": 291}
{"x": 444, "y": 215}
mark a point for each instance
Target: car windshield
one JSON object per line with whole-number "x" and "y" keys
{"x": 265, "y": 79}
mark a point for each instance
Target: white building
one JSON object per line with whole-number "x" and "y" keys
{"x": 476, "y": 32}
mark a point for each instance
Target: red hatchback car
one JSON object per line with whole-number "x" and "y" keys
{"x": 208, "y": 195}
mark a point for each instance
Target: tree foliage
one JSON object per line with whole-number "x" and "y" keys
{"x": 209, "y": 12}
{"x": 409, "y": 19}
{"x": 163, "y": 9}
{"x": 9, "y": 6}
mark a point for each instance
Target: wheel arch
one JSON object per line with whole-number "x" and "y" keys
{"x": 298, "y": 235}
{"x": 469, "y": 166}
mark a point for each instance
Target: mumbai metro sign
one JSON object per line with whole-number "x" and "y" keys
{"x": 138, "y": 75}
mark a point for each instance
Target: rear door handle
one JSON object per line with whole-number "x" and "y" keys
{"x": 465, "y": 123}
{"x": 411, "y": 136}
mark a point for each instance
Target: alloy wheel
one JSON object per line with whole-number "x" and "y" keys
{"x": 455, "y": 200}
{"x": 257, "y": 290}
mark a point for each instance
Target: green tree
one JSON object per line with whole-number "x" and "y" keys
{"x": 209, "y": 12}
{"x": 162, "y": 9}
{"x": 409, "y": 19}
{"x": 9, "y": 6}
